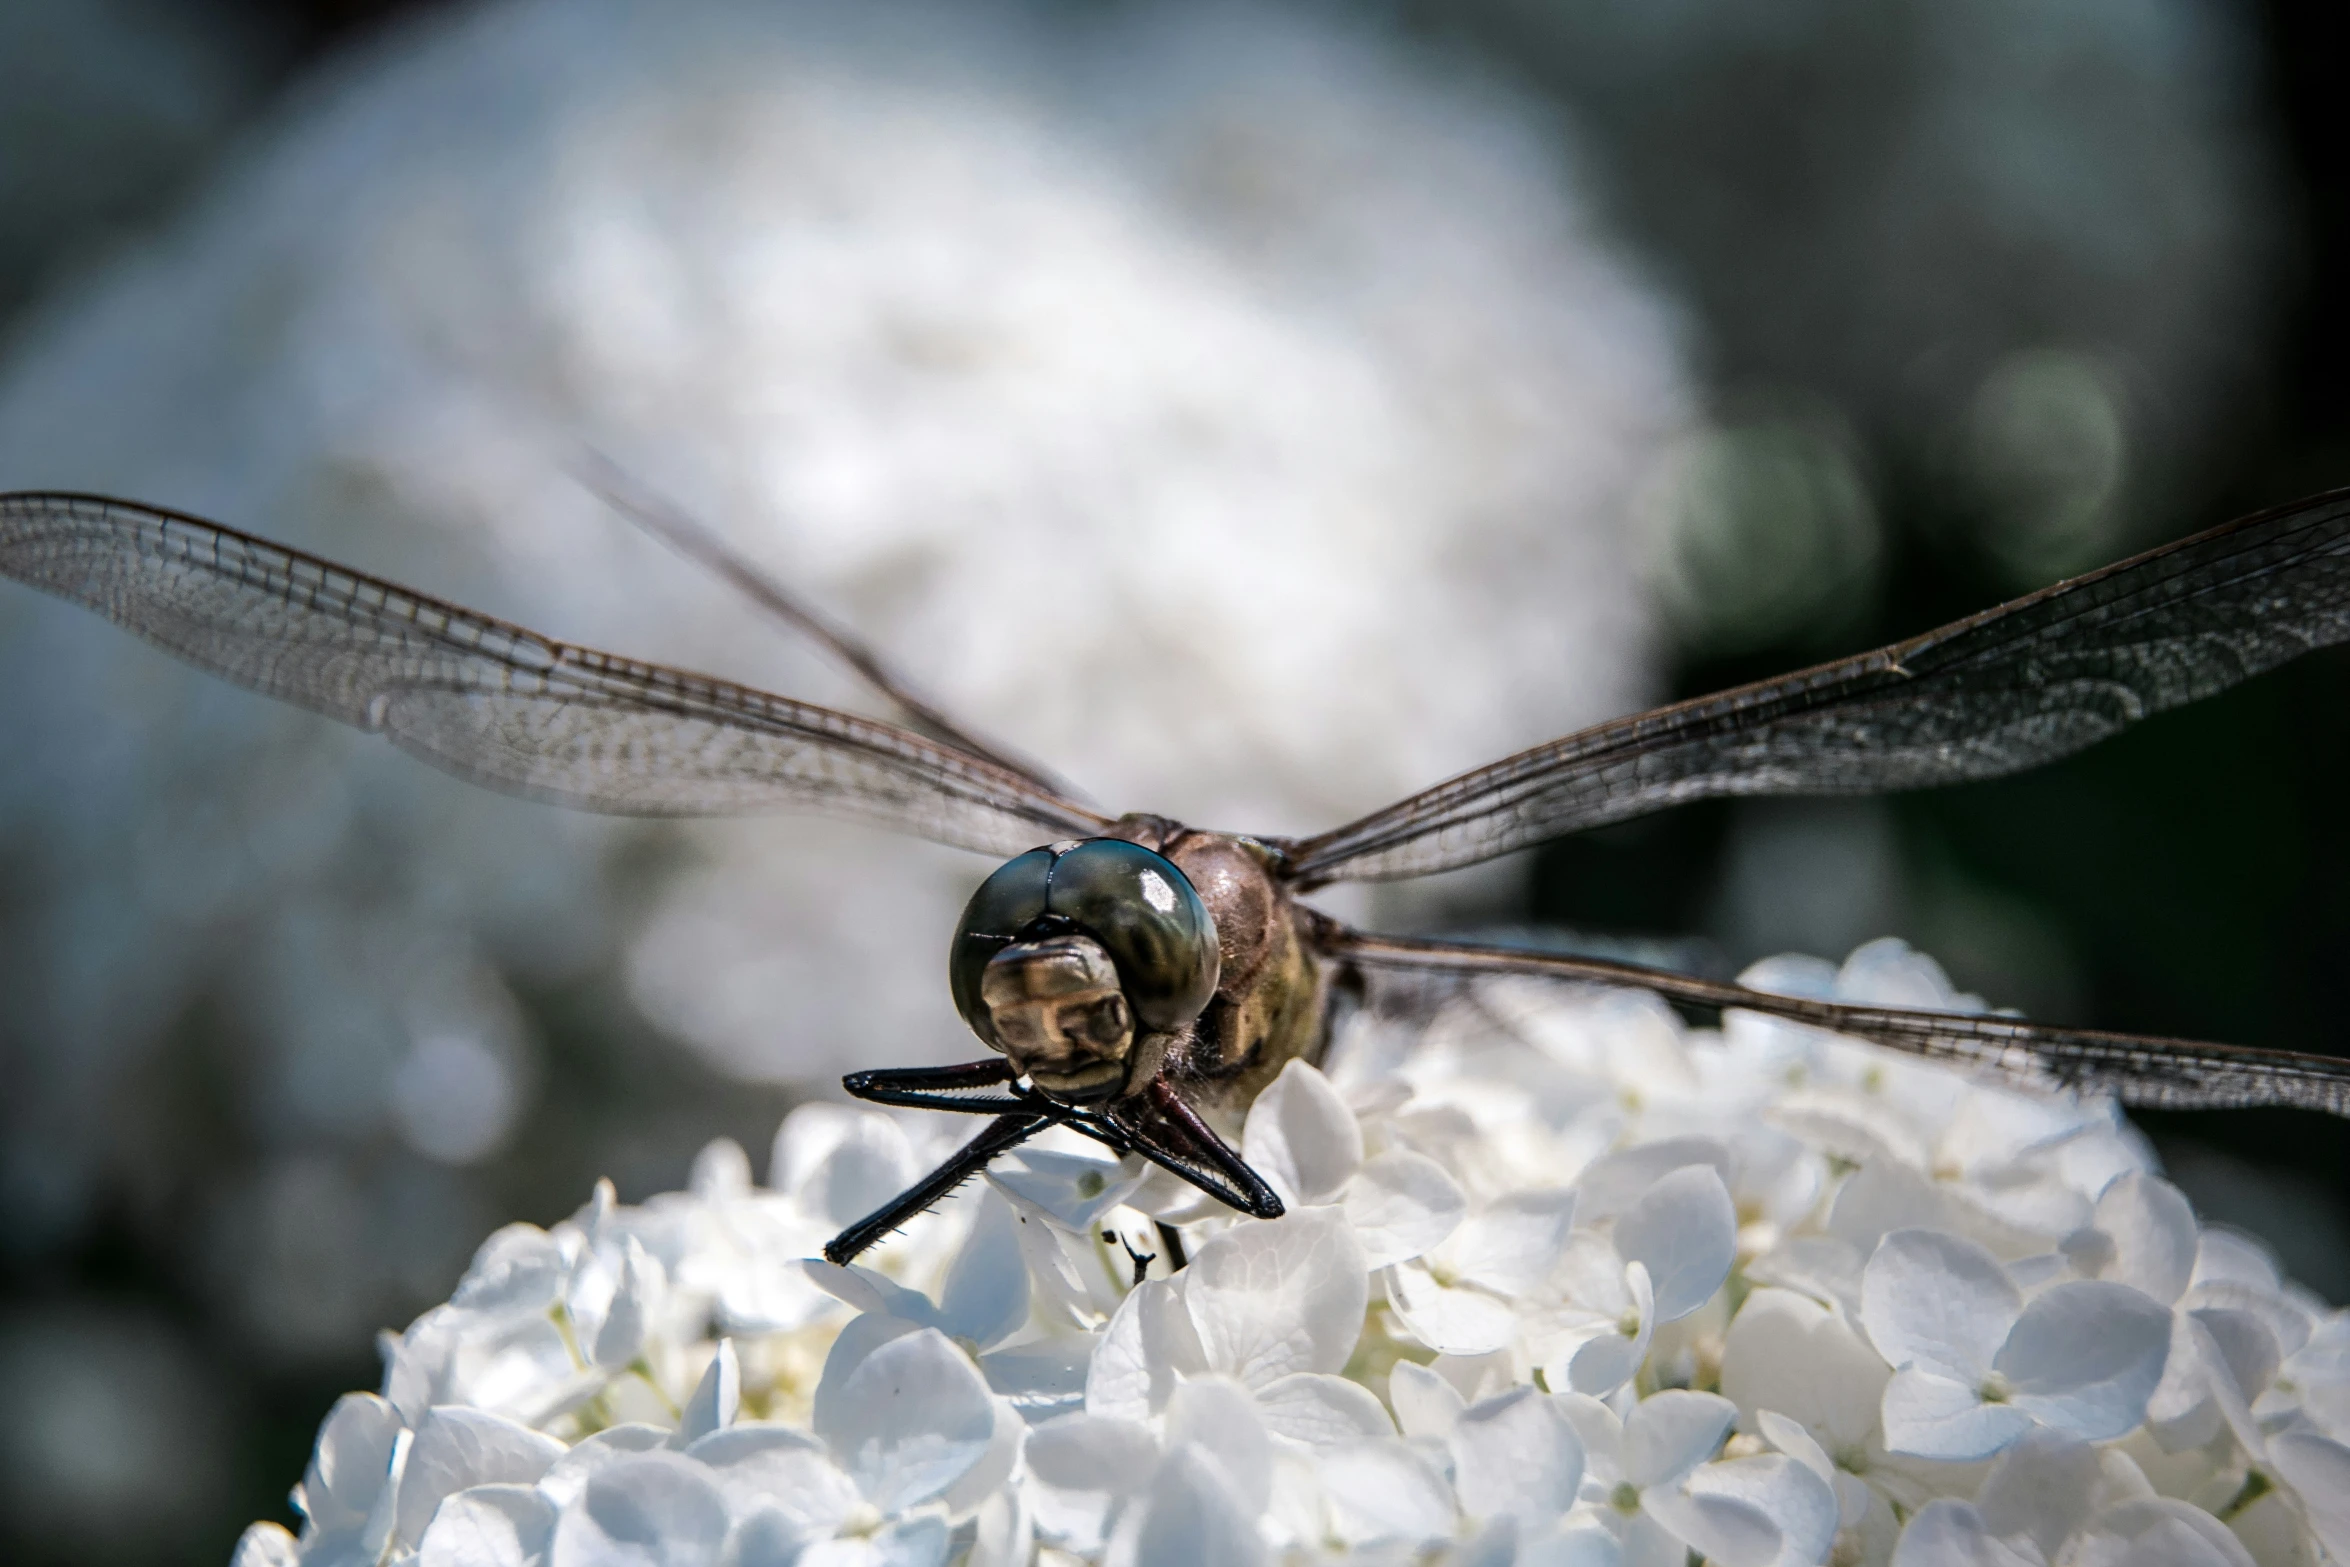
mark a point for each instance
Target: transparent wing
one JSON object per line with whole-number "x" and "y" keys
{"x": 2007, "y": 689}
{"x": 697, "y": 543}
{"x": 501, "y": 705}
{"x": 2174, "y": 1074}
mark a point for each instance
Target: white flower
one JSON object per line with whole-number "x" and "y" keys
{"x": 1975, "y": 1366}
{"x": 2052, "y": 1499}
{"x": 1273, "y": 1309}
{"x": 983, "y": 1308}
{"x": 1670, "y": 1252}
{"x": 1697, "y": 1331}
{"x": 1651, "y": 1483}
{"x": 1309, "y": 1146}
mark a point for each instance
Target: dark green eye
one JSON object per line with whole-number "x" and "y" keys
{"x": 1006, "y": 904}
{"x": 1140, "y": 908}
{"x": 1143, "y": 910}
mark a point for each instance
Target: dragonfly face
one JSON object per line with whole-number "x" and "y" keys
{"x": 1084, "y": 962}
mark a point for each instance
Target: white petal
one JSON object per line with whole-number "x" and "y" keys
{"x": 1401, "y": 1205}
{"x": 766, "y": 1468}
{"x": 2318, "y": 1470}
{"x": 1950, "y": 1533}
{"x": 993, "y": 1468}
{"x": 2152, "y": 1226}
{"x": 1450, "y": 1321}
{"x": 910, "y": 1542}
{"x": 715, "y": 1400}
{"x": 985, "y": 1300}
{"x": 569, "y": 1475}
{"x": 1727, "y": 1530}
{"x": 1796, "y": 1442}
{"x": 1610, "y": 1359}
{"x": 1615, "y": 1181}
{"x": 1882, "y": 1196}
{"x": 1648, "y": 1543}
{"x": 841, "y": 1163}
{"x": 1302, "y": 1138}
{"x": 1510, "y": 1245}
{"x": 1516, "y": 1455}
{"x": 1042, "y": 1378}
{"x": 871, "y": 1292}
{"x": 769, "y": 1538}
{"x": 907, "y": 1418}
{"x": 2236, "y": 1358}
{"x": 1005, "y": 1533}
{"x": 1933, "y": 1300}
{"x": 1799, "y": 1502}
{"x": 1788, "y": 1353}
{"x": 1074, "y": 1190}
{"x": 1604, "y": 1363}
{"x": 489, "y": 1526}
{"x": 1148, "y": 1345}
{"x": 620, "y": 1337}
{"x": 1385, "y": 1491}
{"x": 1671, "y": 1433}
{"x": 1189, "y": 1518}
{"x": 1579, "y": 1542}
{"x": 521, "y": 1268}
{"x": 2084, "y": 1357}
{"x": 1685, "y": 1231}
{"x": 1321, "y": 1410}
{"x": 1425, "y": 1404}
{"x": 2156, "y": 1531}
{"x": 457, "y": 1448}
{"x": 1592, "y": 1273}
{"x": 654, "y": 1509}
{"x": 266, "y": 1545}
{"x": 1928, "y": 1415}
{"x": 1272, "y": 1298}
{"x": 1218, "y": 1416}
{"x": 1602, "y": 1434}
{"x": 1081, "y": 1468}
{"x": 2223, "y": 1256}
{"x": 353, "y": 1455}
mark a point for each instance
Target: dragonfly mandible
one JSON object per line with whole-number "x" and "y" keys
{"x": 1138, "y": 980}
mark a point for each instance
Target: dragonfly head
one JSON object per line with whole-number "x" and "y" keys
{"x": 1082, "y": 961}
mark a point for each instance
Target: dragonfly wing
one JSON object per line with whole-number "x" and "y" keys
{"x": 2011, "y": 688}
{"x": 2175, "y": 1074}
{"x": 502, "y": 705}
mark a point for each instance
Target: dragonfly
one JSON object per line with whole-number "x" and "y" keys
{"x": 1139, "y": 981}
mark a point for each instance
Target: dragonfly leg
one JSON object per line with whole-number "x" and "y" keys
{"x": 965, "y": 1087}
{"x": 1005, "y": 1132}
{"x": 1161, "y": 1127}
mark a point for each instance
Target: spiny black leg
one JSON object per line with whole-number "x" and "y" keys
{"x": 961, "y": 1087}
{"x": 1157, "y": 1124}
{"x": 1007, "y": 1131}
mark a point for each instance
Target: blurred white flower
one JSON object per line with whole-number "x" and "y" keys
{"x": 1221, "y": 340}
{"x": 1608, "y": 1371}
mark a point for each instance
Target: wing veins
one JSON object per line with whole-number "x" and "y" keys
{"x": 2001, "y": 690}
{"x": 2140, "y": 1070}
{"x": 501, "y": 704}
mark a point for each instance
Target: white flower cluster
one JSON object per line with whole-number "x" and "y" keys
{"x": 1561, "y": 1281}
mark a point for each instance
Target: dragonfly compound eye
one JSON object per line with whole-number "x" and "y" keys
{"x": 1097, "y": 939}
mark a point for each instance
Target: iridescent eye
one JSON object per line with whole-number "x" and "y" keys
{"x": 1006, "y": 904}
{"x": 1143, "y": 910}
{"x": 1140, "y": 908}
